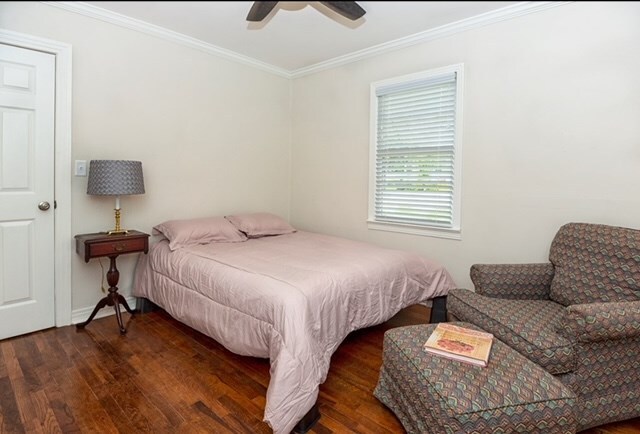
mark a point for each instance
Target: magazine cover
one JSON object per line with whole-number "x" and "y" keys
{"x": 460, "y": 343}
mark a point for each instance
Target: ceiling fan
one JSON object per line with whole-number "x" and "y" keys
{"x": 350, "y": 10}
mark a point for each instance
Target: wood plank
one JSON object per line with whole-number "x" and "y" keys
{"x": 11, "y": 363}
{"x": 11, "y": 421}
{"x": 89, "y": 413}
{"x": 26, "y": 407}
{"x": 57, "y": 402}
{"x": 46, "y": 417}
{"x": 216, "y": 422}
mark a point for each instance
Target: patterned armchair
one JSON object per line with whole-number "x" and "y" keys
{"x": 577, "y": 316}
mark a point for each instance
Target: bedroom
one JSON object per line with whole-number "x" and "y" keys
{"x": 550, "y": 133}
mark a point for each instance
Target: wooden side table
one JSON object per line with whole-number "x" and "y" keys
{"x": 98, "y": 245}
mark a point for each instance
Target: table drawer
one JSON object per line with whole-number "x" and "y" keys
{"x": 117, "y": 247}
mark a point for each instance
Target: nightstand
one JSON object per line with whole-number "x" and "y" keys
{"x": 99, "y": 245}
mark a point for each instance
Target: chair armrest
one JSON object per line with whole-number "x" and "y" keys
{"x": 594, "y": 322}
{"x": 515, "y": 281}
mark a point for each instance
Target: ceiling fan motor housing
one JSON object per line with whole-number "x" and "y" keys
{"x": 350, "y": 10}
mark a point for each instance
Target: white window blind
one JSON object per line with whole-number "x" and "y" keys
{"x": 415, "y": 152}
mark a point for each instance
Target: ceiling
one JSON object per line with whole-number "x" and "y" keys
{"x": 299, "y": 35}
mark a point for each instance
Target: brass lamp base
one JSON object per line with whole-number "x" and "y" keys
{"x": 117, "y": 230}
{"x": 120, "y": 232}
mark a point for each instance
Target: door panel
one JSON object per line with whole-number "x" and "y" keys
{"x": 16, "y": 243}
{"x": 26, "y": 178}
{"x": 16, "y": 147}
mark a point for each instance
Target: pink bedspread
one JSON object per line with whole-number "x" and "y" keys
{"x": 292, "y": 298}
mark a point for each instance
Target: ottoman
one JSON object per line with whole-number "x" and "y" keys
{"x": 434, "y": 394}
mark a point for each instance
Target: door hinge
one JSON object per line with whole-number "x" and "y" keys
{"x": 55, "y": 204}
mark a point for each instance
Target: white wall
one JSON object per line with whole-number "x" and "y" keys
{"x": 551, "y": 134}
{"x": 213, "y": 135}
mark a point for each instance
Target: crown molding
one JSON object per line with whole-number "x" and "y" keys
{"x": 166, "y": 34}
{"x": 485, "y": 19}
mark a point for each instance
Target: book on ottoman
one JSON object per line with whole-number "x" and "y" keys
{"x": 459, "y": 343}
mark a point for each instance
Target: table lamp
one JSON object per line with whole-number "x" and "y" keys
{"x": 115, "y": 178}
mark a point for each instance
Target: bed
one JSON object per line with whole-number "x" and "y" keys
{"x": 291, "y": 297}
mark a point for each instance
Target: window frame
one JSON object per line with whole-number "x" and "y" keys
{"x": 455, "y": 231}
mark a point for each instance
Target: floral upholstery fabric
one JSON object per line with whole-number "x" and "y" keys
{"x": 517, "y": 281}
{"x": 528, "y": 326}
{"x": 603, "y": 321}
{"x": 433, "y": 394}
{"x": 595, "y": 263}
{"x": 605, "y": 381}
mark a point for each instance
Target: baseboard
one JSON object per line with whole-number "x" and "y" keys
{"x": 81, "y": 315}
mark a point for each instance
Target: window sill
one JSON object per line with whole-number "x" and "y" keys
{"x": 451, "y": 234}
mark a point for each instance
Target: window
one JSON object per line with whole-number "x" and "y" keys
{"x": 415, "y": 153}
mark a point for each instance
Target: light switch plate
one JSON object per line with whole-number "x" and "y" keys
{"x": 81, "y": 167}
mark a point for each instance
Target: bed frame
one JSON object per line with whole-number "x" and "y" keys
{"x": 438, "y": 309}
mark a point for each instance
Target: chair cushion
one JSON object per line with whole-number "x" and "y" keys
{"x": 595, "y": 263}
{"x": 528, "y": 326}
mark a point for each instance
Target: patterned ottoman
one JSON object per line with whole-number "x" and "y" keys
{"x": 433, "y": 394}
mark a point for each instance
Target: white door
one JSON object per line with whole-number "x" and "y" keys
{"x": 26, "y": 180}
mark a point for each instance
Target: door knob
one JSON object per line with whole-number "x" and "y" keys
{"x": 44, "y": 206}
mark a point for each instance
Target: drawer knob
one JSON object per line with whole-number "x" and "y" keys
{"x": 118, "y": 247}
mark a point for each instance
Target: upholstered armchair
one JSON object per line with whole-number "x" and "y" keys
{"x": 577, "y": 316}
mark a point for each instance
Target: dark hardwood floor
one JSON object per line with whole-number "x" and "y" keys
{"x": 164, "y": 377}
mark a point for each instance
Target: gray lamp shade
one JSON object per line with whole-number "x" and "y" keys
{"x": 115, "y": 177}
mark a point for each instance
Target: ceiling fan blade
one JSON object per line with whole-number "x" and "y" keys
{"x": 260, "y": 10}
{"x": 350, "y": 10}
